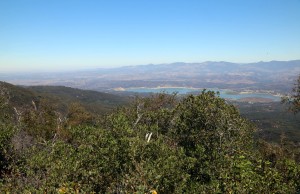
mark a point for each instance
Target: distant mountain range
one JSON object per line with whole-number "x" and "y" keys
{"x": 273, "y": 75}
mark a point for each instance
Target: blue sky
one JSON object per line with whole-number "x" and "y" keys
{"x": 52, "y": 35}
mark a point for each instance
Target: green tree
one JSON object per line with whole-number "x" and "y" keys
{"x": 7, "y": 130}
{"x": 41, "y": 121}
{"x": 78, "y": 115}
{"x": 211, "y": 132}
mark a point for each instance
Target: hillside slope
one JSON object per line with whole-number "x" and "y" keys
{"x": 97, "y": 102}
{"x": 61, "y": 97}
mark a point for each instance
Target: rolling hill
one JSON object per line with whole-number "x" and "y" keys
{"x": 61, "y": 96}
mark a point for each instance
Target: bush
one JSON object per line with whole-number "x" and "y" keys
{"x": 197, "y": 144}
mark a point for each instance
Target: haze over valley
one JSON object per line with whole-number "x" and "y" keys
{"x": 273, "y": 76}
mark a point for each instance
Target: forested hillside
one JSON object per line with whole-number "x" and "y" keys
{"x": 273, "y": 119}
{"x": 96, "y": 102}
{"x": 163, "y": 144}
{"x": 61, "y": 97}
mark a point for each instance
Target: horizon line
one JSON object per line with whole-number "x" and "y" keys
{"x": 124, "y": 66}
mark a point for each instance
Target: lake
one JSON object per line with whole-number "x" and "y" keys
{"x": 224, "y": 93}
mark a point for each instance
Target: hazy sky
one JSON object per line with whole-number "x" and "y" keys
{"x": 66, "y": 35}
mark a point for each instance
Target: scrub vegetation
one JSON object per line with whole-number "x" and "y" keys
{"x": 158, "y": 144}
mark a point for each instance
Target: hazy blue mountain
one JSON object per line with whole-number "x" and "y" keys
{"x": 273, "y": 75}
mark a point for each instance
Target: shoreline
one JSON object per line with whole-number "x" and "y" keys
{"x": 194, "y": 88}
{"x": 272, "y": 95}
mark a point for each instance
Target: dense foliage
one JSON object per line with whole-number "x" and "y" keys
{"x": 163, "y": 144}
{"x": 95, "y": 102}
{"x": 272, "y": 120}
{"x": 294, "y": 98}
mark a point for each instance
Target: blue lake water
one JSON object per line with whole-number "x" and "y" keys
{"x": 227, "y": 94}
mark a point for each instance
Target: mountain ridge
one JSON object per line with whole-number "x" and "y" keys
{"x": 272, "y": 75}
{"x": 61, "y": 96}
